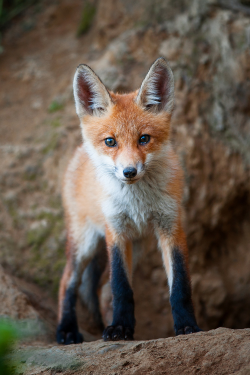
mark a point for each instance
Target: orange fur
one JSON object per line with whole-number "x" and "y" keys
{"x": 126, "y": 248}
{"x": 97, "y": 201}
{"x": 82, "y": 193}
{"x": 126, "y": 122}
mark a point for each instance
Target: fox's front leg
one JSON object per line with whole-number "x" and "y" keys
{"x": 174, "y": 253}
{"x": 120, "y": 254}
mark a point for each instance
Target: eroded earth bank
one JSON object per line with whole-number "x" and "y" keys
{"x": 207, "y": 45}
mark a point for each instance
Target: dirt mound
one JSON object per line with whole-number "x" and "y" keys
{"x": 221, "y": 351}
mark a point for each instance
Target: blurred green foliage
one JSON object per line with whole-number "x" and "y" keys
{"x": 8, "y": 335}
{"x": 55, "y": 106}
{"x": 11, "y": 8}
{"x": 88, "y": 14}
{"x": 12, "y": 331}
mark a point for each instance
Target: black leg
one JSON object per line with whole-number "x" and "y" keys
{"x": 180, "y": 298}
{"x": 67, "y": 330}
{"x": 90, "y": 284}
{"x": 123, "y": 324}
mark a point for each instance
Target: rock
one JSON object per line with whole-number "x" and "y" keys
{"x": 14, "y": 303}
{"x": 222, "y": 351}
{"x": 109, "y": 66}
{"x": 170, "y": 48}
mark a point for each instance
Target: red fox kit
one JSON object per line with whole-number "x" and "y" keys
{"x": 123, "y": 185}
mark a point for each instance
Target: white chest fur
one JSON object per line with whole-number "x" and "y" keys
{"x": 130, "y": 208}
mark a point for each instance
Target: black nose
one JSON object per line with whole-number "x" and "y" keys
{"x": 130, "y": 172}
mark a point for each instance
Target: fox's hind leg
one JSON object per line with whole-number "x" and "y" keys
{"x": 67, "y": 329}
{"x": 174, "y": 253}
{"x": 91, "y": 283}
{"x": 120, "y": 254}
{"x": 78, "y": 258}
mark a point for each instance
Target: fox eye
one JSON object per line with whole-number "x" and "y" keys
{"x": 110, "y": 142}
{"x": 144, "y": 139}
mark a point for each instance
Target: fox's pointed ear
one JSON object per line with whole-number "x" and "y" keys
{"x": 157, "y": 90}
{"x": 91, "y": 96}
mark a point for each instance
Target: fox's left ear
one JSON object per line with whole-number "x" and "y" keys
{"x": 157, "y": 90}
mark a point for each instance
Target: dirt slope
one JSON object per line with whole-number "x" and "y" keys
{"x": 218, "y": 352}
{"x": 208, "y": 49}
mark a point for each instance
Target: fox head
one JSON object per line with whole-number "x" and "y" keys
{"x": 125, "y": 134}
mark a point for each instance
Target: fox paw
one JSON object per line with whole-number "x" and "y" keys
{"x": 188, "y": 329}
{"x": 67, "y": 338}
{"x": 115, "y": 333}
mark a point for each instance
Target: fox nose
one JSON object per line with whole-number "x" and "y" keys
{"x": 129, "y": 172}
